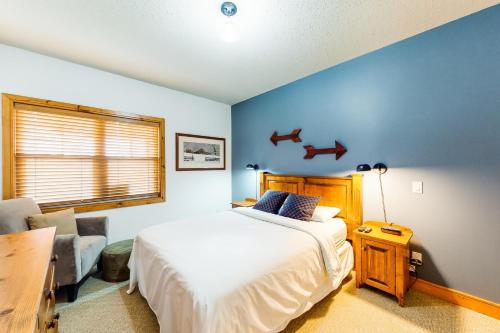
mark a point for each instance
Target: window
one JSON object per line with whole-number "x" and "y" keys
{"x": 64, "y": 155}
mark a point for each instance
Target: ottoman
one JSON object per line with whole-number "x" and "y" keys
{"x": 115, "y": 259}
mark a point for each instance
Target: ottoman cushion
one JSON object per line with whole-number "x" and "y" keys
{"x": 115, "y": 259}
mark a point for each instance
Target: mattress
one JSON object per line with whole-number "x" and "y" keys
{"x": 237, "y": 271}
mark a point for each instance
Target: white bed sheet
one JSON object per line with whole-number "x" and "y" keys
{"x": 337, "y": 230}
{"x": 230, "y": 272}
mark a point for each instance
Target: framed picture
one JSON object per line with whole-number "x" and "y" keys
{"x": 197, "y": 152}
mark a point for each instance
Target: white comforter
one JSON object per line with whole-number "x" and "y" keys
{"x": 237, "y": 271}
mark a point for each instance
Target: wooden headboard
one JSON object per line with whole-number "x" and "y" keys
{"x": 341, "y": 192}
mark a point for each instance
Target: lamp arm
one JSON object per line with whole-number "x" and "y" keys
{"x": 382, "y": 195}
{"x": 256, "y": 186}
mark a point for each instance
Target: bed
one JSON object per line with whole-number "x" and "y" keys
{"x": 245, "y": 270}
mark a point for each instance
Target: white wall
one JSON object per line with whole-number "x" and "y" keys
{"x": 188, "y": 193}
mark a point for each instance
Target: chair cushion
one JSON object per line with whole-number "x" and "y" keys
{"x": 271, "y": 201}
{"x": 90, "y": 251}
{"x": 300, "y": 207}
{"x": 13, "y": 214}
{"x": 63, "y": 220}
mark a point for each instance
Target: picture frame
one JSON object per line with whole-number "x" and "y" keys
{"x": 199, "y": 152}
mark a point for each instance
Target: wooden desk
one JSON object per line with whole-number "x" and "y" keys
{"x": 27, "y": 296}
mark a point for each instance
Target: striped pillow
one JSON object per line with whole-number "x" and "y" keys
{"x": 299, "y": 207}
{"x": 271, "y": 201}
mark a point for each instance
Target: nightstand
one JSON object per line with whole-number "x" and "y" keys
{"x": 382, "y": 259}
{"x": 248, "y": 202}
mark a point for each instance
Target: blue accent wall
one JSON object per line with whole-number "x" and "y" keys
{"x": 428, "y": 107}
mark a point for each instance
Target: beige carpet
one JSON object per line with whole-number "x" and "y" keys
{"x": 106, "y": 307}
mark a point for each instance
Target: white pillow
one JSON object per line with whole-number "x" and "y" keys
{"x": 324, "y": 213}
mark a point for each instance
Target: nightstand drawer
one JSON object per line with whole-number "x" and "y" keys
{"x": 378, "y": 265}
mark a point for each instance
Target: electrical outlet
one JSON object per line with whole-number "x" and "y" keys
{"x": 417, "y": 187}
{"x": 413, "y": 268}
{"x": 416, "y": 258}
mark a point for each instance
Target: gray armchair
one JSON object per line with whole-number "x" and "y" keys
{"x": 77, "y": 254}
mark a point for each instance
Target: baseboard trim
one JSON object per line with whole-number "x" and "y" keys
{"x": 468, "y": 301}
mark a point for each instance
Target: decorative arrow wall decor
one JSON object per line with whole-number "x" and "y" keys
{"x": 339, "y": 150}
{"x": 294, "y": 136}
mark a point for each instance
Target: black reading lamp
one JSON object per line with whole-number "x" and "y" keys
{"x": 381, "y": 168}
{"x": 254, "y": 167}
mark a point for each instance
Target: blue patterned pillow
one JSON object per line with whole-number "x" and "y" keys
{"x": 271, "y": 201}
{"x": 299, "y": 207}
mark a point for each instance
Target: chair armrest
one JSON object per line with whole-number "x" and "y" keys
{"x": 69, "y": 262}
{"x": 90, "y": 226}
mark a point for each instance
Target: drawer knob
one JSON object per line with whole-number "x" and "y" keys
{"x": 53, "y": 322}
{"x": 54, "y": 258}
{"x": 49, "y": 293}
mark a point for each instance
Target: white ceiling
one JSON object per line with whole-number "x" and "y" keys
{"x": 176, "y": 43}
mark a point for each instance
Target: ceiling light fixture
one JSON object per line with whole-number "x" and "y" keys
{"x": 228, "y": 8}
{"x": 229, "y": 32}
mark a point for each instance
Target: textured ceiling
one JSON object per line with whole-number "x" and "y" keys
{"x": 176, "y": 43}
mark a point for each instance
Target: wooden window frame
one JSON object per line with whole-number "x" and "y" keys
{"x": 8, "y": 146}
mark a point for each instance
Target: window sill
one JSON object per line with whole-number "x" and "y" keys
{"x": 91, "y": 207}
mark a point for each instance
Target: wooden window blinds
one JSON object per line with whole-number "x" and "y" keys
{"x": 65, "y": 155}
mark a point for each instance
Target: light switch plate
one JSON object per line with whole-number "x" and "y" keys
{"x": 417, "y": 187}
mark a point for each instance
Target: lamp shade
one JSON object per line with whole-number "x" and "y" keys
{"x": 252, "y": 167}
{"x": 363, "y": 167}
{"x": 380, "y": 167}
